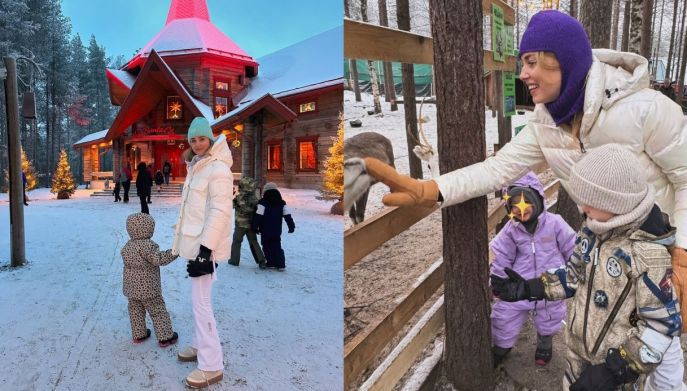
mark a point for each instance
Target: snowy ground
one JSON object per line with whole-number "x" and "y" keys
{"x": 65, "y": 324}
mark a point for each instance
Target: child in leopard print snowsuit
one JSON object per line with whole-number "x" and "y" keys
{"x": 142, "y": 261}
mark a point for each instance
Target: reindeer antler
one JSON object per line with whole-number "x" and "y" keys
{"x": 421, "y": 131}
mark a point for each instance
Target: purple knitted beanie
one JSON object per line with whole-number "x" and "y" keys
{"x": 554, "y": 31}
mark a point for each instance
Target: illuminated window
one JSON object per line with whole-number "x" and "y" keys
{"x": 175, "y": 109}
{"x": 307, "y": 155}
{"x": 221, "y": 103}
{"x": 273, "y": 157}
{"x": 306, "y": 107}
{"x": 222, "y": 86}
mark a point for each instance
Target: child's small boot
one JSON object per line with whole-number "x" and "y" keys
{"x": 171, "y": 341}
{"x": 499, "y": 354}
{"x": 139, "y": 340}
{"x": 544, "y": 351}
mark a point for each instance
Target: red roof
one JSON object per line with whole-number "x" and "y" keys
{"x": 188, "y": 29}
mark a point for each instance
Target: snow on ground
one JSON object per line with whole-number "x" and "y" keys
{"x": 64, "y": 318}
{"x": 392, "y": 125}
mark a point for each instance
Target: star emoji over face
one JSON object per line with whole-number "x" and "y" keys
{"x": 522, "y": 205}
{"x": 506, "y": 197}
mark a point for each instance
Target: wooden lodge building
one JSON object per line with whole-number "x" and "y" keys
{"x": 279, "y": 112}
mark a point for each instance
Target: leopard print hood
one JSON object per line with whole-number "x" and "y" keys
{"x": 140, "y": 226}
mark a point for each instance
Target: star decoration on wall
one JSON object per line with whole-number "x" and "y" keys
{"x": 220, "y": 109}
{"x": 175, "y": 108}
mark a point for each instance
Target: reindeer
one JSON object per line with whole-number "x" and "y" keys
{"x": 423, "y": 150}
{"x": 357, "y": 181}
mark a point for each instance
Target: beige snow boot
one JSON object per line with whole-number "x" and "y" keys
{"x": 188, "y": 354}
{"x": 202, "y": 379}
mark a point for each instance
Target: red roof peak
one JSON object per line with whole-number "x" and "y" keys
{"x": 183, "y": 9}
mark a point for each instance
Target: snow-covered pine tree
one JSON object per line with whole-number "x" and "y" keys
{"x": 332, "y": 187}
{"x": 63, "y": 182}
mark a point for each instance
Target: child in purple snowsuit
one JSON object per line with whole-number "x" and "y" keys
{"x": 533, "y": 241}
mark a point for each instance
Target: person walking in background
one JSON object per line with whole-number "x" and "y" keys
{"x": 23, "y": 181}
{"x": 203, "y": 236}
{"x": 167, "y": 171}
{"x": 267, "y": 223}
{"x": 245, "y": 204}
{"x": 152, "y": 181}
{"x": 159, "y": 180}
{"x": 117, "y": 188}
{"x": 126, "y": 177}
{"x": 143, "y": 185}
{"x": 141, "y": 281}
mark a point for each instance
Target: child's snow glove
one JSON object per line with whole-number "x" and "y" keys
{"x": 679, "y": 256}
{"x": 202, "y": 264}
{"x": 405, "y": 191}
{"x": 607, "y": 376}
{"x": 516, "y": 288}
{"x": 290, "y": 223}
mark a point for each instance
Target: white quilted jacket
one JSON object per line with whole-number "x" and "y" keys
{"x": 619, "y": 108}
{"x": 205, "y": 216}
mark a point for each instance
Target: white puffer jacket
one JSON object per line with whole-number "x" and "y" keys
{"x": 619, "y": 107}
{"x": 205, "y": 216}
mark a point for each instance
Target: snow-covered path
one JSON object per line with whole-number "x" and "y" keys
{"x": 64, "y": 319}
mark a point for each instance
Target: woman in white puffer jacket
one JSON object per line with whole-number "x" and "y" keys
{"x": 203, "y": 236}
{"x": 584, "y": 99}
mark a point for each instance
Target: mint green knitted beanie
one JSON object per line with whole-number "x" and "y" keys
{"x": 200, "y": 127}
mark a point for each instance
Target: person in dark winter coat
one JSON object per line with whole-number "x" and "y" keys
{"x": 167, "y": 171}
{"x": 141, "y": 281}
{"x": 159, "y": 180}
{"x": 152, "y": 181}
{"x": 532, "y": 242}
{"x": 117, "y": 189}
{"x": 126, "y": 177}
{"x": 245, "y": 204}
{"x": 267, "y": 223}
{"x": 143, "y": 185}
{"x": 23, "y": 180}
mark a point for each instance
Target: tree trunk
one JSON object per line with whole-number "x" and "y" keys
{"x": 371, "y": 67}
{"x": 408, "y": 72}
{"x": 595, "y": 16}
{"x": 636, "y": 26}
{"x": 389, "y": 87}
{"x": 614, "y": 28}
{"x": 626, "y": 26}
{"x": 658, "y": 44}
{"x": 647, "y": 13}
{"x": 573, "y": 8}
{"x": 672, "y": 40}
{"x": 681, "y": 77}
{"x": 460, "y": 123}
{"x": 679, "y": 39}
{"x": 352, "y": 64}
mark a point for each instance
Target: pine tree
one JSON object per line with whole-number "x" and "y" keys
{"x": 29, "y": 171}
{"x": 332, "y": 187}
{"x": 63, "y": 183}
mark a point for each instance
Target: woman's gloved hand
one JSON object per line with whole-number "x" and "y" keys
{"x": 202, "y": 264}
{"x": 405, "y": 191}
{"x": 679, "y": 280}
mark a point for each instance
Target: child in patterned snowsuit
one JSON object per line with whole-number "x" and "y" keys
{"x": 245, "y": 204}
{"x": 625, "y": 319}
{"x": 532, "y": 242}
{"x": 267, "y": 222}
{"x": 142, "y": 261}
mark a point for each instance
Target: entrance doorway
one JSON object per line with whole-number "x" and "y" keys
{"x": 171, "y": 151}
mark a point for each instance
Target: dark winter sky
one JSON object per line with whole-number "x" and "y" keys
{"x": 258, "y": 26}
